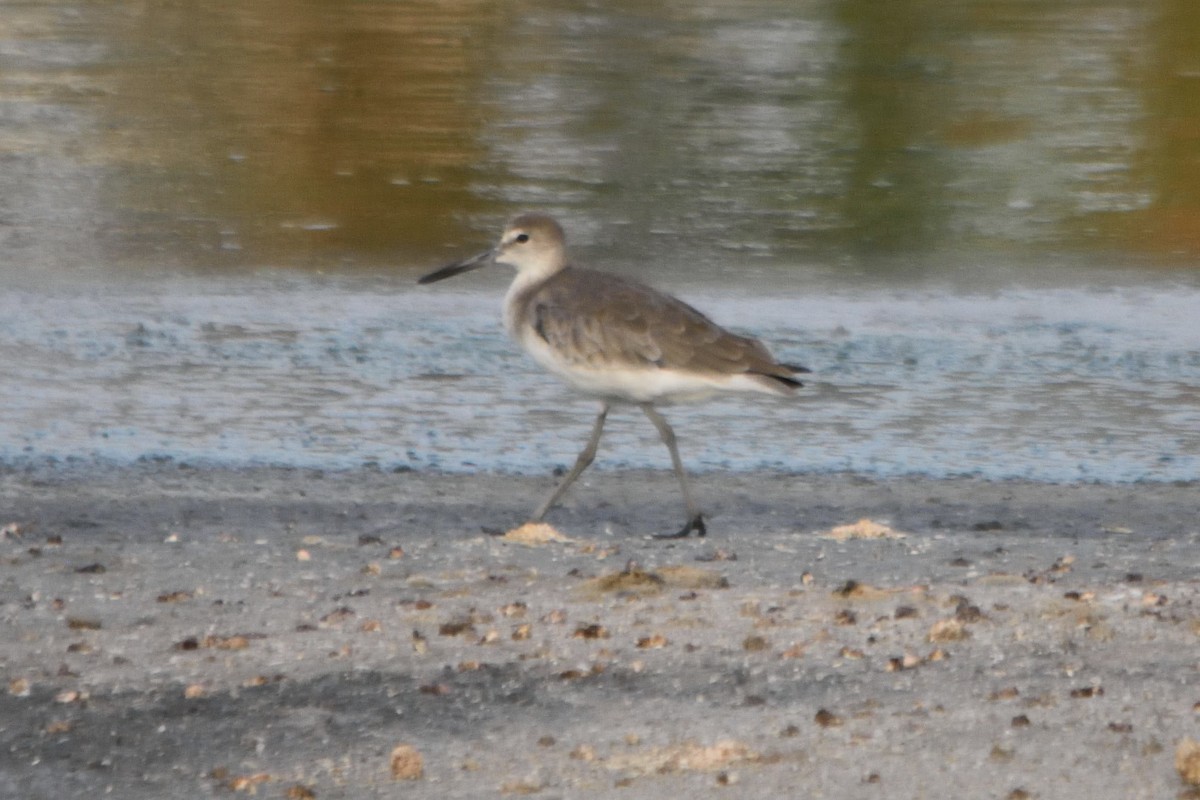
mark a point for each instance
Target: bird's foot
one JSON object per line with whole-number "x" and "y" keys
{"x": 696, "y": 524}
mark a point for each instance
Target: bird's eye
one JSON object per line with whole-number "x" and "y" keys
{"x": 522, "y": 238}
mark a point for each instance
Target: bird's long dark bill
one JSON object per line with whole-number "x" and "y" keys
{"x": 459, "y": 267}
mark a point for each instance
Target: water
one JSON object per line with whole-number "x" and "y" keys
{"x": 1054, "y": 385}
{"x": 976, "y": 221}
{"x": 868, "y": 136}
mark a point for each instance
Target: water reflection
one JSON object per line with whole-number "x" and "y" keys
{"x": 284, "y": 132}
{"x": 897, "y": 84}
{"x": 1053, "y": 385}
{"x": 858, "y": 134}
{"x": 1170, "y": 223}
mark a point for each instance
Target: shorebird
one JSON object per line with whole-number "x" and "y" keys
{"x": 619, "y": 341}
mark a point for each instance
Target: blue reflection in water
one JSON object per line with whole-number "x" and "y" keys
{"x": 1054, "y": 384}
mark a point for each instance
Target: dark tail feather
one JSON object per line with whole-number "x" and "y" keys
{"x": 790, "y": 383}
{"x": 781, "y": 384}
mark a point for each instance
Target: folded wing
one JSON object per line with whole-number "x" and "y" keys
{"x": 601, "y": 321}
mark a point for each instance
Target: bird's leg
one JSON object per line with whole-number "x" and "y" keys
{"x": 695, "y": 520}
{"x": 581, "y": 463}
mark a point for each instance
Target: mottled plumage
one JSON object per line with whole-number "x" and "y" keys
{"x": 619, "y": 340}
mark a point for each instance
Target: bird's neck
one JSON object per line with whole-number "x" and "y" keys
{"x": 516, "y": 302}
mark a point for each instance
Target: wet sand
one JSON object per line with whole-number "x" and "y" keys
{"x": 178, "y": 632}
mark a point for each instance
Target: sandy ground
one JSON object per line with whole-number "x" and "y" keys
{"x": 174, "y": 632}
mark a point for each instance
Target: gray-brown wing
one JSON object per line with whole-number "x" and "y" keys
{"x": 602, "y": 320}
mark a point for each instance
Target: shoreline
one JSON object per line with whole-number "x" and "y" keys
{"x": 194, "y": 631}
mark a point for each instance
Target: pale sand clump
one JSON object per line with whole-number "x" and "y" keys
{"x": 1187, "y": 761}
{"x": 863, "y": 529}
{"x": 407, "y": 763}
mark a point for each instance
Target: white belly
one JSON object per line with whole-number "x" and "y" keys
{"x": 635, "y": 383}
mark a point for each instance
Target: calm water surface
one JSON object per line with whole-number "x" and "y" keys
{"x": 979, "y": 222}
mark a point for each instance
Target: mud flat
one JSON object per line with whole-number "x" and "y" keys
{"x": 179, "y": 632}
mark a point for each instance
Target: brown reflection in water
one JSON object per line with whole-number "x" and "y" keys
{"x": 1170, "y": 224}
{"x": 324, "y": 133}
{"x": 294, "y": 132}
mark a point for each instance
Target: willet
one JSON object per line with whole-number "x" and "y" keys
{"x": 619, "y": 341}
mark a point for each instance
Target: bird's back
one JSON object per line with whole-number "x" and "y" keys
{"x": 602, "y": 331}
